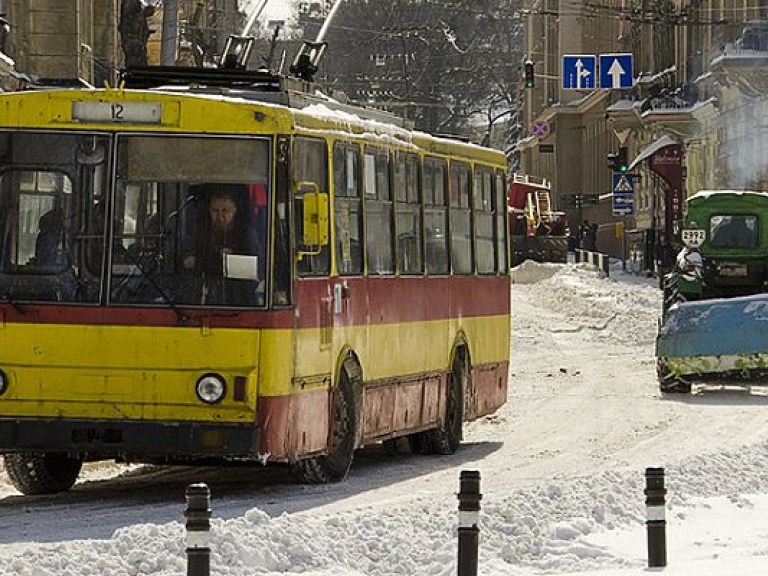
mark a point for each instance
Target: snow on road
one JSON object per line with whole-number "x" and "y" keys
{"x": 562, "y": 473}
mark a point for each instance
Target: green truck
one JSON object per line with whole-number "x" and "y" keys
{"x": 725, "y": 247}
{"x": 715, "y": 314}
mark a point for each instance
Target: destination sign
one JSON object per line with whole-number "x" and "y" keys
{"x": 118, "y": 112}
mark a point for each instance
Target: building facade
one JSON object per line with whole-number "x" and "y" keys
{"x": 63, "y": 39}
{"x": 66, "y": 40}
{"x": 694, "y": 117}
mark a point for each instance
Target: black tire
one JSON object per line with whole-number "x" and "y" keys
{"x": 419, "y": 443}
{"x": 395, "y": 446}
{"x": 42, "y": 473}
{"x": 334, "y": 466}
{"x": 670, "y": 293}
{"x": 446, "y": 438}
{"x": 668, "y": 383}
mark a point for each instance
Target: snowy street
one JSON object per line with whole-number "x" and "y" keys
{"x": 562, "y": 467}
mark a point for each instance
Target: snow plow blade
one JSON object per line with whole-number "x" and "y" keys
{"x": 714, "y": 339}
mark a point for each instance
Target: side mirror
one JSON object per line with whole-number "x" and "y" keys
{"x": 315, "y": 229}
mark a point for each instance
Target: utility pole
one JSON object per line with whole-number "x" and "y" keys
{"x": 170, "y": 32}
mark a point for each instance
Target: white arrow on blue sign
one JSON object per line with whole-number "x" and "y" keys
{"x": 579, "y": 72}
{"x": 616, "y": 71}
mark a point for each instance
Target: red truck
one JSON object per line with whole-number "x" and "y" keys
{"x": 536, "y": 231}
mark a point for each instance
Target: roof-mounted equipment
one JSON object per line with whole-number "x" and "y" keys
{"x": 307, "y": 61}
{"x": 236, "y": 52}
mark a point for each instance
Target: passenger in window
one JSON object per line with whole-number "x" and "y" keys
{"x": 50, "y": 257}
{"x": 225, "y": 231}
{"x": 48, "y": 253}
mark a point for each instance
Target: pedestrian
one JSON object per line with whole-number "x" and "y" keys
{"x": 593, "y": 238}
{"x": 665, "y": 257}
{"x": 583, "y": 233}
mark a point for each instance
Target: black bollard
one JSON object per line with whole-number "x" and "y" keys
{"x": 655, "y": 517}
{"x": 469, "y": 512}
{"x": 198, "y": 515}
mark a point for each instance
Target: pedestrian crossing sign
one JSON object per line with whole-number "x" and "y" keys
{"x": 623, "y": 194}
{"x": 623, "y": 182}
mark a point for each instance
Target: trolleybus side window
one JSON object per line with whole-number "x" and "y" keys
{"x": 348, "y": 214}
{"x": 408, "y": 219}
{"x": 435, "y": 216}
{"x": 309, "y": 163}
{"x": 500, "y": 215}
{"x": 461, "y": 219}
{"x": 485, "y": 243}
{"x": 378, "y": 213}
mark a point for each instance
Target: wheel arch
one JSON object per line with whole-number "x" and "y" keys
{"x": 461, "y": 349}
{"x": 348, "y": 361}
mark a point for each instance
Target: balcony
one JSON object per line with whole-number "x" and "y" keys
{"x": 744, "y": 63}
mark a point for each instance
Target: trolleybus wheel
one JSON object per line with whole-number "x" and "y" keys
{"x": 334, "y": 466}
{"x": 447, "y": 437}
{"x": 42, "y": 473}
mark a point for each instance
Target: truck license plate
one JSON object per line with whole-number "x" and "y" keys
{"x": 693, "y": 237}
{"x": 733, "y": 270}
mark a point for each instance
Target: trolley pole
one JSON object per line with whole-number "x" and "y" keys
{"x": 469, "y": 512}
{"x": 655, "y": 517}
{"x": 198, "y": 515}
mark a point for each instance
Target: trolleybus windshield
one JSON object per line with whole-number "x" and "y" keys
{"x": 188, "y": 219}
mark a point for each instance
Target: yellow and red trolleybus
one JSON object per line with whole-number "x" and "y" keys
{"x": 373, "y": 304}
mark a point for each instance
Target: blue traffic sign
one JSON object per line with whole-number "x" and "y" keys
{"x": 616, "y": 71}
{"x": 623, "y": 194}
{"x": 623, "y": 182}
{"x": 540, "y": 129}
{"x": 579, "y": 72}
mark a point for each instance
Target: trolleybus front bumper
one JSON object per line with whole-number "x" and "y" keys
{"x": 130, "y": 440}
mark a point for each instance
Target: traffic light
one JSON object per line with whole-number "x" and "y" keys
{"x": 529, "y": 76}
{"x": 618, "y": 161}
{"x": 622, "y": 164}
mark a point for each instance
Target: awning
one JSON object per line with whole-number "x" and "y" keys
{"x": 651, "y": 149}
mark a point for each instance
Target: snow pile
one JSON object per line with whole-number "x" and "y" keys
{"x": 530, "y": 272}
{"x": 603, "y": 309}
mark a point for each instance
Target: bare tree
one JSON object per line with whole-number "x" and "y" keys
{"x": 450, "y": 65}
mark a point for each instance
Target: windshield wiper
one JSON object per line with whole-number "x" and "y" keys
{"x": 166, "y": 298}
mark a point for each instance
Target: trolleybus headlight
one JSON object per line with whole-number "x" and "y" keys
{"x": 211, "y": 388}
{"x": 3, "y": 382}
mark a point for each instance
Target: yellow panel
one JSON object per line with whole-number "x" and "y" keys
{"x": 129, "y": 347}
{"x": 188, "y": 113}
{"x": 277, "y": 367}
{"x": 125, "y": 372}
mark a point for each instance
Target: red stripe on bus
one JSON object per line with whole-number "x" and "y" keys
{"x": 395, "y": 300}
{"x": 384, "y": 300}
